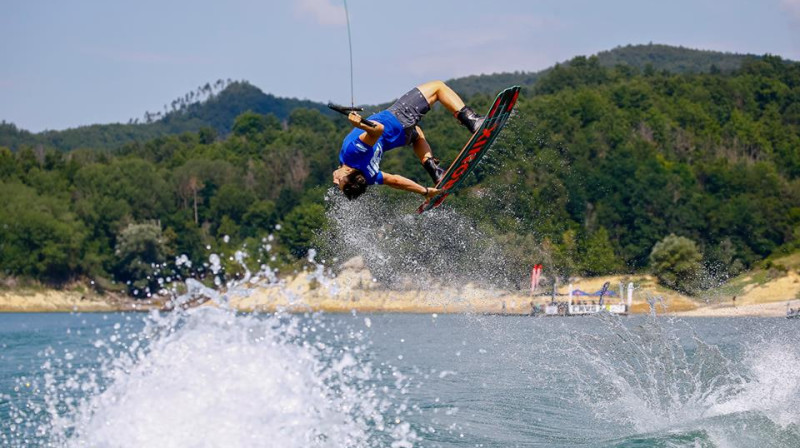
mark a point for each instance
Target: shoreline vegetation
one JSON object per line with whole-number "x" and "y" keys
{"x": 354, "y": 289}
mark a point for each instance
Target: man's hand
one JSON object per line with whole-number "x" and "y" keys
{"x": 355, "y": 119}
{"x": 402, "y": 183}
{"x": 432, "y": 192}
{"x": 373, "y": 133}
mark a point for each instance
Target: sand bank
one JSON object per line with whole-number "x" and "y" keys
{"x": 355, "y": 289}
{"x": 55, "y": 301}
{"x": 774, "y": 309}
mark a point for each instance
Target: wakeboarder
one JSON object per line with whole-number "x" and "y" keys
{"x": 363, "y": 148}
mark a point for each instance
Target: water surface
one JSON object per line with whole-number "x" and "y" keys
{"x": 216, "y": 378}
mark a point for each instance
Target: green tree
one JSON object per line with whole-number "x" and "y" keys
{"x": 134, "y": 181}
{"x": 300, "y": 227}
{"x": 8, "y": 166}
{"x": 197, "y": 180}
{"x": 675, "y": 260}
{"x": 231, "y": 200}
{"x": 250, "y": 124}
{"x": 207, "y": 135}
{"x": 598, "y": 257}
{"x": 260, "y": 217}
{"x": 140, "y": 248}
{"x": 228, "y": 228}
{"x": 39, "y": 237}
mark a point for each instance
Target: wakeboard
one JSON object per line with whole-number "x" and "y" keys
{"x": 477, "y": 146}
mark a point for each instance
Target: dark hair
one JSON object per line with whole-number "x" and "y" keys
{"x": 354, "y": 184}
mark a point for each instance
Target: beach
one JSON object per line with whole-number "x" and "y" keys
{"x": 354, "y": 289}
{"x": 43, "y": 300}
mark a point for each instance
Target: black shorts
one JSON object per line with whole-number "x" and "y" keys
{"x": 409, "y": 109}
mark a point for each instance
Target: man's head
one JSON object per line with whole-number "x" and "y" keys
{"x": 350, "y": 181}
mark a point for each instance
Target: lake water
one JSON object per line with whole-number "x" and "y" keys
{"x": 215, "y": 378}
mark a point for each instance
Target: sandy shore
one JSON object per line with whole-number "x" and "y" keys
{"x": 775, "y": 309}
{"x": 54, "y": 301}
{"x": 355, "y": 289}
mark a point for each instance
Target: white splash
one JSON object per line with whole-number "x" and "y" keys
{"x": 210, "y": 377}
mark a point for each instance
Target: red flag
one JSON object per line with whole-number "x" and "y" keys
{"x": 536, "y": 273}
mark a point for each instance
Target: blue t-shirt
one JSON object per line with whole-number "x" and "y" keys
{"x": 366, "y": 158}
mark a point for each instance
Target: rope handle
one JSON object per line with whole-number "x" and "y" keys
{"x": 346, "y": 111}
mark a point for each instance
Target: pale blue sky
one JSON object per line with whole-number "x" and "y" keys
{"x": 70, "y": 63}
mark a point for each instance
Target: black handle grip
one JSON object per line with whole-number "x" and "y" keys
{"x": 346, "y": 111}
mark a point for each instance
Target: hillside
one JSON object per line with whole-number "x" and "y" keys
{"x": 219, "y": 110}
{"x": 678, "y": 60}
{"x": 597, "y": 167}
{"x": 657, "y": 57}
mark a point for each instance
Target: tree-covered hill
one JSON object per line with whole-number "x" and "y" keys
{"x": 217, "y": 113}
{"x": 220, "y": 110}
{"x": 217, "y": 110}
{"x": 651, "y": 57}
{"x": 672, "y": 59}
{"x": 597, "y": 168}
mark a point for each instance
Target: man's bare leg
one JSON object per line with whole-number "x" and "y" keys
{"x": 438, "y": 91}
{"x": 423, "y": 152}
{"x": 421, "y": 147}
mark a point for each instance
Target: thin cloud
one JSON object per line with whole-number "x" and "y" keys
{"x": 792, "y": 7}
{"x": 143, "y": 57}
{"x": 457, "y": 64}
{"x": 321, "y": 11}
{"x": 489, "y": 49}
{"x": 515, "y": 27}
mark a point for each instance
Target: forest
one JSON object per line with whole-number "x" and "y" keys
{"x": 600, "y": 165}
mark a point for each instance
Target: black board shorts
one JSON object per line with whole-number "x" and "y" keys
{"x": 408, "y": 110}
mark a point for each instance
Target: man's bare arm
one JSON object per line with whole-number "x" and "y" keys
{"x": 372, "y": 133}
{"x": 406, "y": 184}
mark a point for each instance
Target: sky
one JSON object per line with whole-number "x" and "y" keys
{"x": 71, "y": 63}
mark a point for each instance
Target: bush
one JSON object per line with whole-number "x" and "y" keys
{"x": 140, "y": 247}
{"x": 675, "y": 260}
{"x": 301, "y": 226}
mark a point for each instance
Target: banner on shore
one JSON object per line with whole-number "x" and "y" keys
{"x": 536, "y": 274}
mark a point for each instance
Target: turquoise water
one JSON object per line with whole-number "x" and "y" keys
{"x": 214, "y": 378}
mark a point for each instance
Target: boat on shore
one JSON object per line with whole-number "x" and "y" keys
{"x": 584, "y": 307}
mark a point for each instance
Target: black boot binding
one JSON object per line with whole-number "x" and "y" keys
{"x": 436, "y": 172}
{"x": 470, "y": 119}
